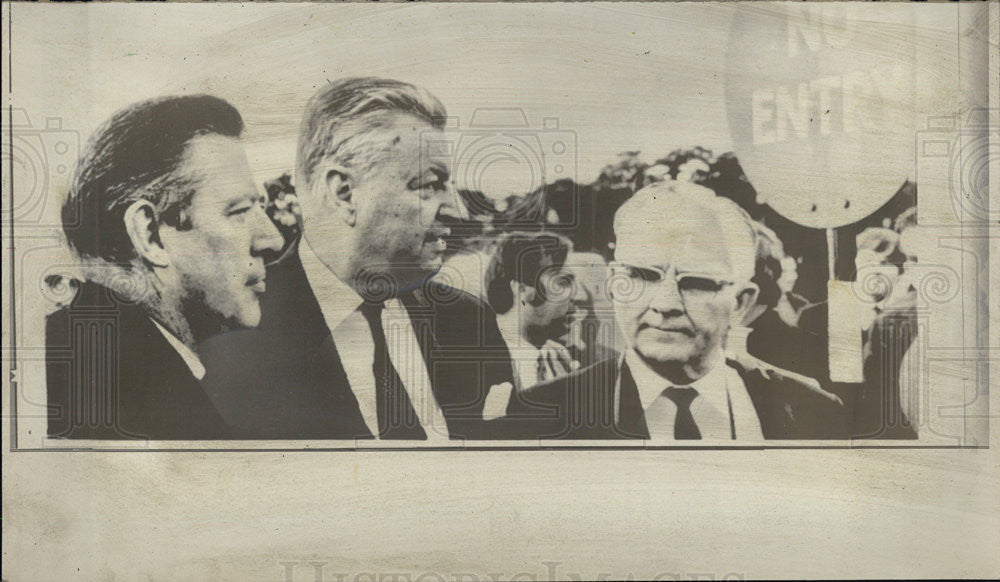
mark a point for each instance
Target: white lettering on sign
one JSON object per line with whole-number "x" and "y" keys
{"x": 792, "y": 112}
{"x": 836, "y": 104}
{"x": 817, "y": 27}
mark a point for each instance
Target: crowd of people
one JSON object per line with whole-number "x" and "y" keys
{"x": 365, "y": 298}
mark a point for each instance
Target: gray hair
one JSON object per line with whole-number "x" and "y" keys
{"x": 647, "y": 208}
{"x": 348, "y": 108}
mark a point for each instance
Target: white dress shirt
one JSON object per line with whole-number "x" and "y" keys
{"x": 723, "y": 405}
{"x": 352, "y": 336}
{"x": 187, "y": 354}
{"x": 523, "y": 354}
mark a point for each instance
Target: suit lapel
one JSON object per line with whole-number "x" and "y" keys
{"x": 292, "y": 311}
{"x": 431, "y": 321}
{"x": 158, "y": 396}
{"x": 463, "y": 352}
{"x": 290, "y": 307}
{"x": 631, "y": 419}
{"x": 421, "y": 318}
{"x": 775, "y": 415}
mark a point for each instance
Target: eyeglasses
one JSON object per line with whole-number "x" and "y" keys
{"x": 632, "y": 280}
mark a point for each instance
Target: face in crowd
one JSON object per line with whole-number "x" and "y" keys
{"x": 789, "y": 274}
{"x": 588, "y": 270}
{"x": 219, "y": 255}
{"x": 556, "y": 294}
{"x": 681, "y": 276}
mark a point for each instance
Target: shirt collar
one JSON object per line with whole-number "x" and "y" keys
{"x": 187, "y": 354}
{"x": 523, "y": 354}
{"x": 511, "y": 334}
{"x": 337, "y": 300}
{"x": 650, "y": 385}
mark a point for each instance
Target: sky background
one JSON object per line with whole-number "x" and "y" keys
{"x": 611, "y": 76}
{"x": 583, "y": 65}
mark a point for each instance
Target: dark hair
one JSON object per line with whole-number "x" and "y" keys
{"x": 136, "y": 155}
{"x": 346, "y": 108}
{"x": 520, "y": 256}
{"x": 767, "y": 266}
{"x": 766, "y": 275}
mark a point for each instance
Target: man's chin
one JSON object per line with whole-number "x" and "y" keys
{"x": 663, "y": 354}
{"x": 249, "y": 316}
{"x": 432, "y": 266}
{"x": 251, "y": 321}
{"x": 430, "y": 259}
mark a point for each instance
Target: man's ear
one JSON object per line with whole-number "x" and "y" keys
{"x": 337, "y": 194}
{"x": 143, "y": 230}
{"x": 746, "y": 297}
{"x": 522, "y": 293}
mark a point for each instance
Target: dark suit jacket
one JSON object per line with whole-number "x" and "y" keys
{"x": 581, "y": 405}
{"x": 872, "y": 407}
{"x": 286, "y": 379}
{"x": 111, "y": 374}
{"x": 878, "y": 411}
{"x": 790, "y": 348}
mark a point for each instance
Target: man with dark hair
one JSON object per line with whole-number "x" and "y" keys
{"x": 532, "y": 294}
{"x": 591, "y": 337}
{"x": 363, "y": 343}
{"x": 171, "y": 236}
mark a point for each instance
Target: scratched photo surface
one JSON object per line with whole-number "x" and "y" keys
{"x": 331, "y": 241}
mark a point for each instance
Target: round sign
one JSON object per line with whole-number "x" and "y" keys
{"x": 822, "y": 107}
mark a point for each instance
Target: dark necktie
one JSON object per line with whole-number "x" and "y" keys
{"x": 684, "y": 425}
{"x": 396, "y": 417}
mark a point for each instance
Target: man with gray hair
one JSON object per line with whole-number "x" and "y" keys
{"x": 684, "y": 259}
{"x": 358, "y": 333}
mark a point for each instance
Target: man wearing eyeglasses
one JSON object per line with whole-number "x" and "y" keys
{"x": 681, "y": 277}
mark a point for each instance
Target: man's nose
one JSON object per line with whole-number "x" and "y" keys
{"x": 266, "y": 236}
{"x": 452, "y": 208}
{"x": 667, "y": 297}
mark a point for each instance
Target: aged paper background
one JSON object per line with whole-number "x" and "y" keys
{"x": 531, "y": 514}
